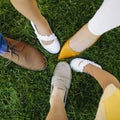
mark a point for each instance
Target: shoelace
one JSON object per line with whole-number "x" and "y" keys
{"x": 11, "y": 50}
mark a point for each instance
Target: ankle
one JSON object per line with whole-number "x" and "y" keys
{"x": 43, "y": 27}
{"x": 87, "y": 68}
{"x": 90, "y": 68}
{"x": 57, "y": 95}
{"x": 83, "y": 39}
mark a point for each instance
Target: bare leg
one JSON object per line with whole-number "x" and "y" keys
{"x": 57, "y": 109}
{"x": 83, "y": 39}
{"x": 106, "y": 80}
{"x": 60, "y": 85}
{"x": 106, "y": 18}
{"x": 30, "y": 10}
{"x": 103, "y": 77}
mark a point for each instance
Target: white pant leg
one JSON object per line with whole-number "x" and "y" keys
{"x": 106, "y": 18}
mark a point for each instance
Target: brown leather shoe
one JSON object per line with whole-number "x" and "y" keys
{"x": 24, "y": 55}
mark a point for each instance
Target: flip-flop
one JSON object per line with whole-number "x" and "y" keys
{"x": 62, "y": 78}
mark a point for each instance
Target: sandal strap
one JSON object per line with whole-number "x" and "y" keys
{"x": 86, "y": 62}
{"x": 46, "y": 37}
{"x": 78, "y": 64}
{"x": 43, "y": 37}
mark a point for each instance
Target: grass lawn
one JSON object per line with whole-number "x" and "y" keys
{"x": 24, "y": 94}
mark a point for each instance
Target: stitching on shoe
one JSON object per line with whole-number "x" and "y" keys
{"x": 80, "y": 63}
{"x": 43, "y": 37}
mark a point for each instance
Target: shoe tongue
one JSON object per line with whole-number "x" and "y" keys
{"x": 16, "y": 45}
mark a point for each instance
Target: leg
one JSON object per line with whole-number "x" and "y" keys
{"x": 113, "y": 106}
{"x": 30, "y": 10}
{"x": 110, "y": 100}
{"x": 57, "y": 109}
{"x": 105, "y": 19}
{"x": 83, "y": 39}
{"x": 60, "y": 85}
{"x": 42, "y": 29}
{"x": 103, "y": 77}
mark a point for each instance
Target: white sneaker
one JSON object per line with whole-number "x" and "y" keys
{"x": 78, "y": 64}
{"x": 54, "y": 47}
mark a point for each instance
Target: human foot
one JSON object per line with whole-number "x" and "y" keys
{"x": 82, "y": 40}
{"x": 78, "y": 64}
{"x": 24, "y": 55}
{"x": 48, "y": 42}
{"x": 61, "y": 81}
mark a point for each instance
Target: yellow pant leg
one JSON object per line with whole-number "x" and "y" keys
{"x": 109, "y": 105}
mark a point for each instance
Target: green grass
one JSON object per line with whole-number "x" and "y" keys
{"x": 24, "y": 94}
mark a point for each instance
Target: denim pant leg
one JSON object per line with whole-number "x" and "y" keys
{"x": 3, "y": 44}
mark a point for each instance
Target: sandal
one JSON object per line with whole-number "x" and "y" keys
{"x": 62, "y": 78}
{"x": 54, "y": 47}
{"x": 78, "y": 64}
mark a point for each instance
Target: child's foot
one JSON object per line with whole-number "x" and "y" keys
{"x": 50, "y": 43}
{"x": 78, "y": 64}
